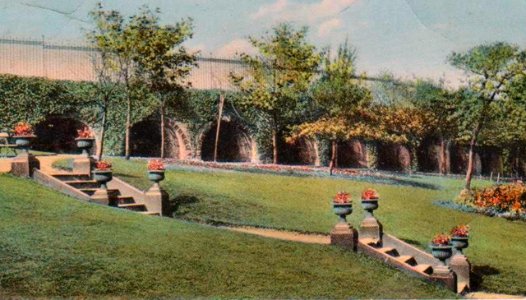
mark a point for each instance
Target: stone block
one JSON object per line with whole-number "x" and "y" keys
{"x": 370, "y": 228}
{"x": 83, "y": 165}
{"x": 343, "y": 235}
{"x": 101, "y": 196}
{"x": 460, "y": 265}
{"x": 23, "y": 165}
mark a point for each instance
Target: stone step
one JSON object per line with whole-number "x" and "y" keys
{"x": 91, "y": 191}
{"x": 133, "y": 206}
{"x": 70, "y": 177}
{"x": 422, "y": 268}
{"x": 407, "y": 259}
{"x": 149, "y": 213}
{"x": 389, "y": 250}
{"x": 79, "y": 184}
{"x": 370, "y": 242}
{"x": 125, "y": 200}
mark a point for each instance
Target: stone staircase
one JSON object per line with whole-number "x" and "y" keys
{"x": 85, "y": 184}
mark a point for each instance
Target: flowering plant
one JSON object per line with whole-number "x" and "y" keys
{"x": 103, "y": 165}
{"x": 460, "y": 231}
{"x": 84, "y": 133}
{"x": 23, "y": 129}
{"x": 155, "y": 165}
{"x": 342, "y": 198}
{"x": 370, "y": 194}
{"x": 441, "y": 240}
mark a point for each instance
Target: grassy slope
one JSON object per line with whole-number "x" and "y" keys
{"x": 54, "y": 245}
{"x": 303, "y": 203}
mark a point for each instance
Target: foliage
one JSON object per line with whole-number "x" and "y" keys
{"x": 23, "y": 129}
{"x": 499, "y": 198}
{"x": 370, "y": 194}
{"x": 278, "y": 77}
{"x": 460, "y": 231}
{"x": 342, "y": 198}
{"x": 103, "y": 165}
{"x": 441, "y": 240}
{"x": 155, "y": 165}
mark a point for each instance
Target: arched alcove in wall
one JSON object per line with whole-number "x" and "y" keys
{"x": 352, "y": 154}
{"x": 234, "y": 145}
{"x": 303, "y": 151}
{"x": 393, "y": 157}
{"x": 57, "y": 134}
{"x": 145, "y": 138}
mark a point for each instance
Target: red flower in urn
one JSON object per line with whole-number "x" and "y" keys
{"x": 155, "y": 165}
{"x": 103, "y": 165}
{"x": 23, "y": 129}
{"x": 370, "y": 195}
{"x": 342, "y": 198}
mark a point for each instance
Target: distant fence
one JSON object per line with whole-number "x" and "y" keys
{"x": 66, "y": 61}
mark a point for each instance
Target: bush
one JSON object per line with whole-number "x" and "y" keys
{"x": 504, "y": 198}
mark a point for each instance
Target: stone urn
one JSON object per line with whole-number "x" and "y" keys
{"x": 342, "y": 210}
{"x": 85, "y": 144}
{"x": 156, "y": 176}
{"x": 24, "y": 141}
{"x": 460, "y": 243}
{"x": 102, "y": 177}
{"x": 441, "y": 252}
{"x": 369, "y": 205}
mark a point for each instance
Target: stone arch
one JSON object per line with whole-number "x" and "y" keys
{"x": 235, "y": 144}
{"x": 393, "y": 157}
{"x": 459, "y": 160}
{"x": 57, "y": 134}
{"x": 352, "y": 154}
{"x": 146, "y": 139}
{"x": 303, "y": 151}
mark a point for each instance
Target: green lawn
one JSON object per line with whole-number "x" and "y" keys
{"x": 496, "y": 248}
{"x": 53, "y": 245}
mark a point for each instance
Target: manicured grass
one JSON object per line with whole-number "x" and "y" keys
{"x": 303, "y": 204}
{"x": 53, "y": 245}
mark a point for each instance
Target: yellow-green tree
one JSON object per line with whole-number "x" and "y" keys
{"x": 277, "y": 77}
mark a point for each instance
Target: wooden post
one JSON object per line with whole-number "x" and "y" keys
{"x": 219, "y": 116}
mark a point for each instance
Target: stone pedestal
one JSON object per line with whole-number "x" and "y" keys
{"x": 447, "y": 278}
{"x": 23, "y": 164}
{"x": 460, "y": 265}
{"x": 83, "y": 164}
{"x": 101, "y": 196}
{"x": 156, "y": 196}
{"x": 344, "y": 235}
{"x": 370, "y": 228}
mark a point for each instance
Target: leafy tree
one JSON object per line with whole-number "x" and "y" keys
{"x": 162, "y": 62}
{"x": 341, "y": 101}
{"x": 441, "y": 106}
{"x": 278, "y": 77}
{"x": 489, "y": 67}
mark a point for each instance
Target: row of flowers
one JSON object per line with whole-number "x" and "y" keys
{"x": 24, "y": 129}
{"x": 507, "y": 200}
{"x": 153, "y": 165}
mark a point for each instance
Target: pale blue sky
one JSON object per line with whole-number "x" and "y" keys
{"x": 406, "y": 37}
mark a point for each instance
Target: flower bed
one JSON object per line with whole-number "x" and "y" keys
{"x": 505, "y": 200}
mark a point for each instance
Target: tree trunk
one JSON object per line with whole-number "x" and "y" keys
{"x": 218, "y": 128}
{"x": 471, "y": 156}
{"x": 162, "y": 129}
{"x": 442, "y": 163}
{"x": 128, "y": 130}
{"x": 102, "y": 135}
{"x": 274, "y": 146}
{"x": 334, "y": 155}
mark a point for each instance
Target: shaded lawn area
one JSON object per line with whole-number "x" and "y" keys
{"x": 497, "y": 246}
{"x": 53, "y": 245}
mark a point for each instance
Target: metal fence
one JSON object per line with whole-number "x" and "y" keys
{"x": 67, "y": 61}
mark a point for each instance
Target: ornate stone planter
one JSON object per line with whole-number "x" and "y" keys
{"x": 156, "y": 176}
{"x": 24, "y": 141}
{"x": 342, "y": 210}
{"x": 85, "y": 144}
{"x": 102, "y": 177}
{"x": 460, "y": 242}
{"x": 369, "y": 206}
{"x": 441, "y": 252}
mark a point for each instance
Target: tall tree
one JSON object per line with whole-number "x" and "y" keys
{"x": 277, "y": 77}
{"x": 489, "y": 68}
{"x": 340, "y": 100}
{"x": 162, "y": 62}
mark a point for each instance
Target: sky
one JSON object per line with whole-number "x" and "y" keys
{"x": 409, "y": 38}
